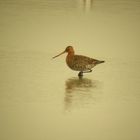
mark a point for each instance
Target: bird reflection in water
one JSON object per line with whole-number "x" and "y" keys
{"x": 79, "y": 92}
{"x": 87, "y": 5}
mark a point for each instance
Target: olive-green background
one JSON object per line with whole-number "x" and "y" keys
{"x": 41, "y": 98}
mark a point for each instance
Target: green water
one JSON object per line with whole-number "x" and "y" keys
{"x": 41, "y": 98}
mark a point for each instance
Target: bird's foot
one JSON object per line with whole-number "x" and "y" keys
{"x": 80, "y": 74}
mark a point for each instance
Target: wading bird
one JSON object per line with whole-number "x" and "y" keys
{"x": 80, "y": 63}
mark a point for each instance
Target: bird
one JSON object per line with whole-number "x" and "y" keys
{"x": 80, "y": 63}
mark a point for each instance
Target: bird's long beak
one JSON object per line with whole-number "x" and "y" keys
{"x": 59, "y": 54}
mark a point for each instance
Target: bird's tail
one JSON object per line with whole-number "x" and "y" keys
{"x": 99, "y": 62}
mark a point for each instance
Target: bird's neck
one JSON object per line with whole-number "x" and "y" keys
{"x": 69, "y": 56}
{"x": 70, "y": 53}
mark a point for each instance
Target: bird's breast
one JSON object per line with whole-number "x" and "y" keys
{"x": 69, "y": 60}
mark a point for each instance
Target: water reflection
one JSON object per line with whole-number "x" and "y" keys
{"x": 86, "y": 5}
{"x": 79, "y": 92}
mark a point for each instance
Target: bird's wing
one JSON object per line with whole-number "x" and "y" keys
{"x": 80, "y": 59}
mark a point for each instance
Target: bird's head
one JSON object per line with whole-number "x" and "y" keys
{"x": 69, "y": 49}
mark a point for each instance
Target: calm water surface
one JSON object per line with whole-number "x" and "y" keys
{"x": 41, "y": 98}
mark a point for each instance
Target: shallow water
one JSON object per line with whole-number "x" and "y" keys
{"x": 41, "y": 98}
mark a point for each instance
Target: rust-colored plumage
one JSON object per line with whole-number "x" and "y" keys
{"x": 80, "y": 63}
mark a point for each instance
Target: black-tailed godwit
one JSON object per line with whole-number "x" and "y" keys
{"x": 80, "y": 63}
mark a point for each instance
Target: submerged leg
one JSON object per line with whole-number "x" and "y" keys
{"x": 80, "y": 74}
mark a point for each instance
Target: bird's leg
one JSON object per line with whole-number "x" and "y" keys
{"x": 87, "y": 71}
{"x": 80, "y": 74}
